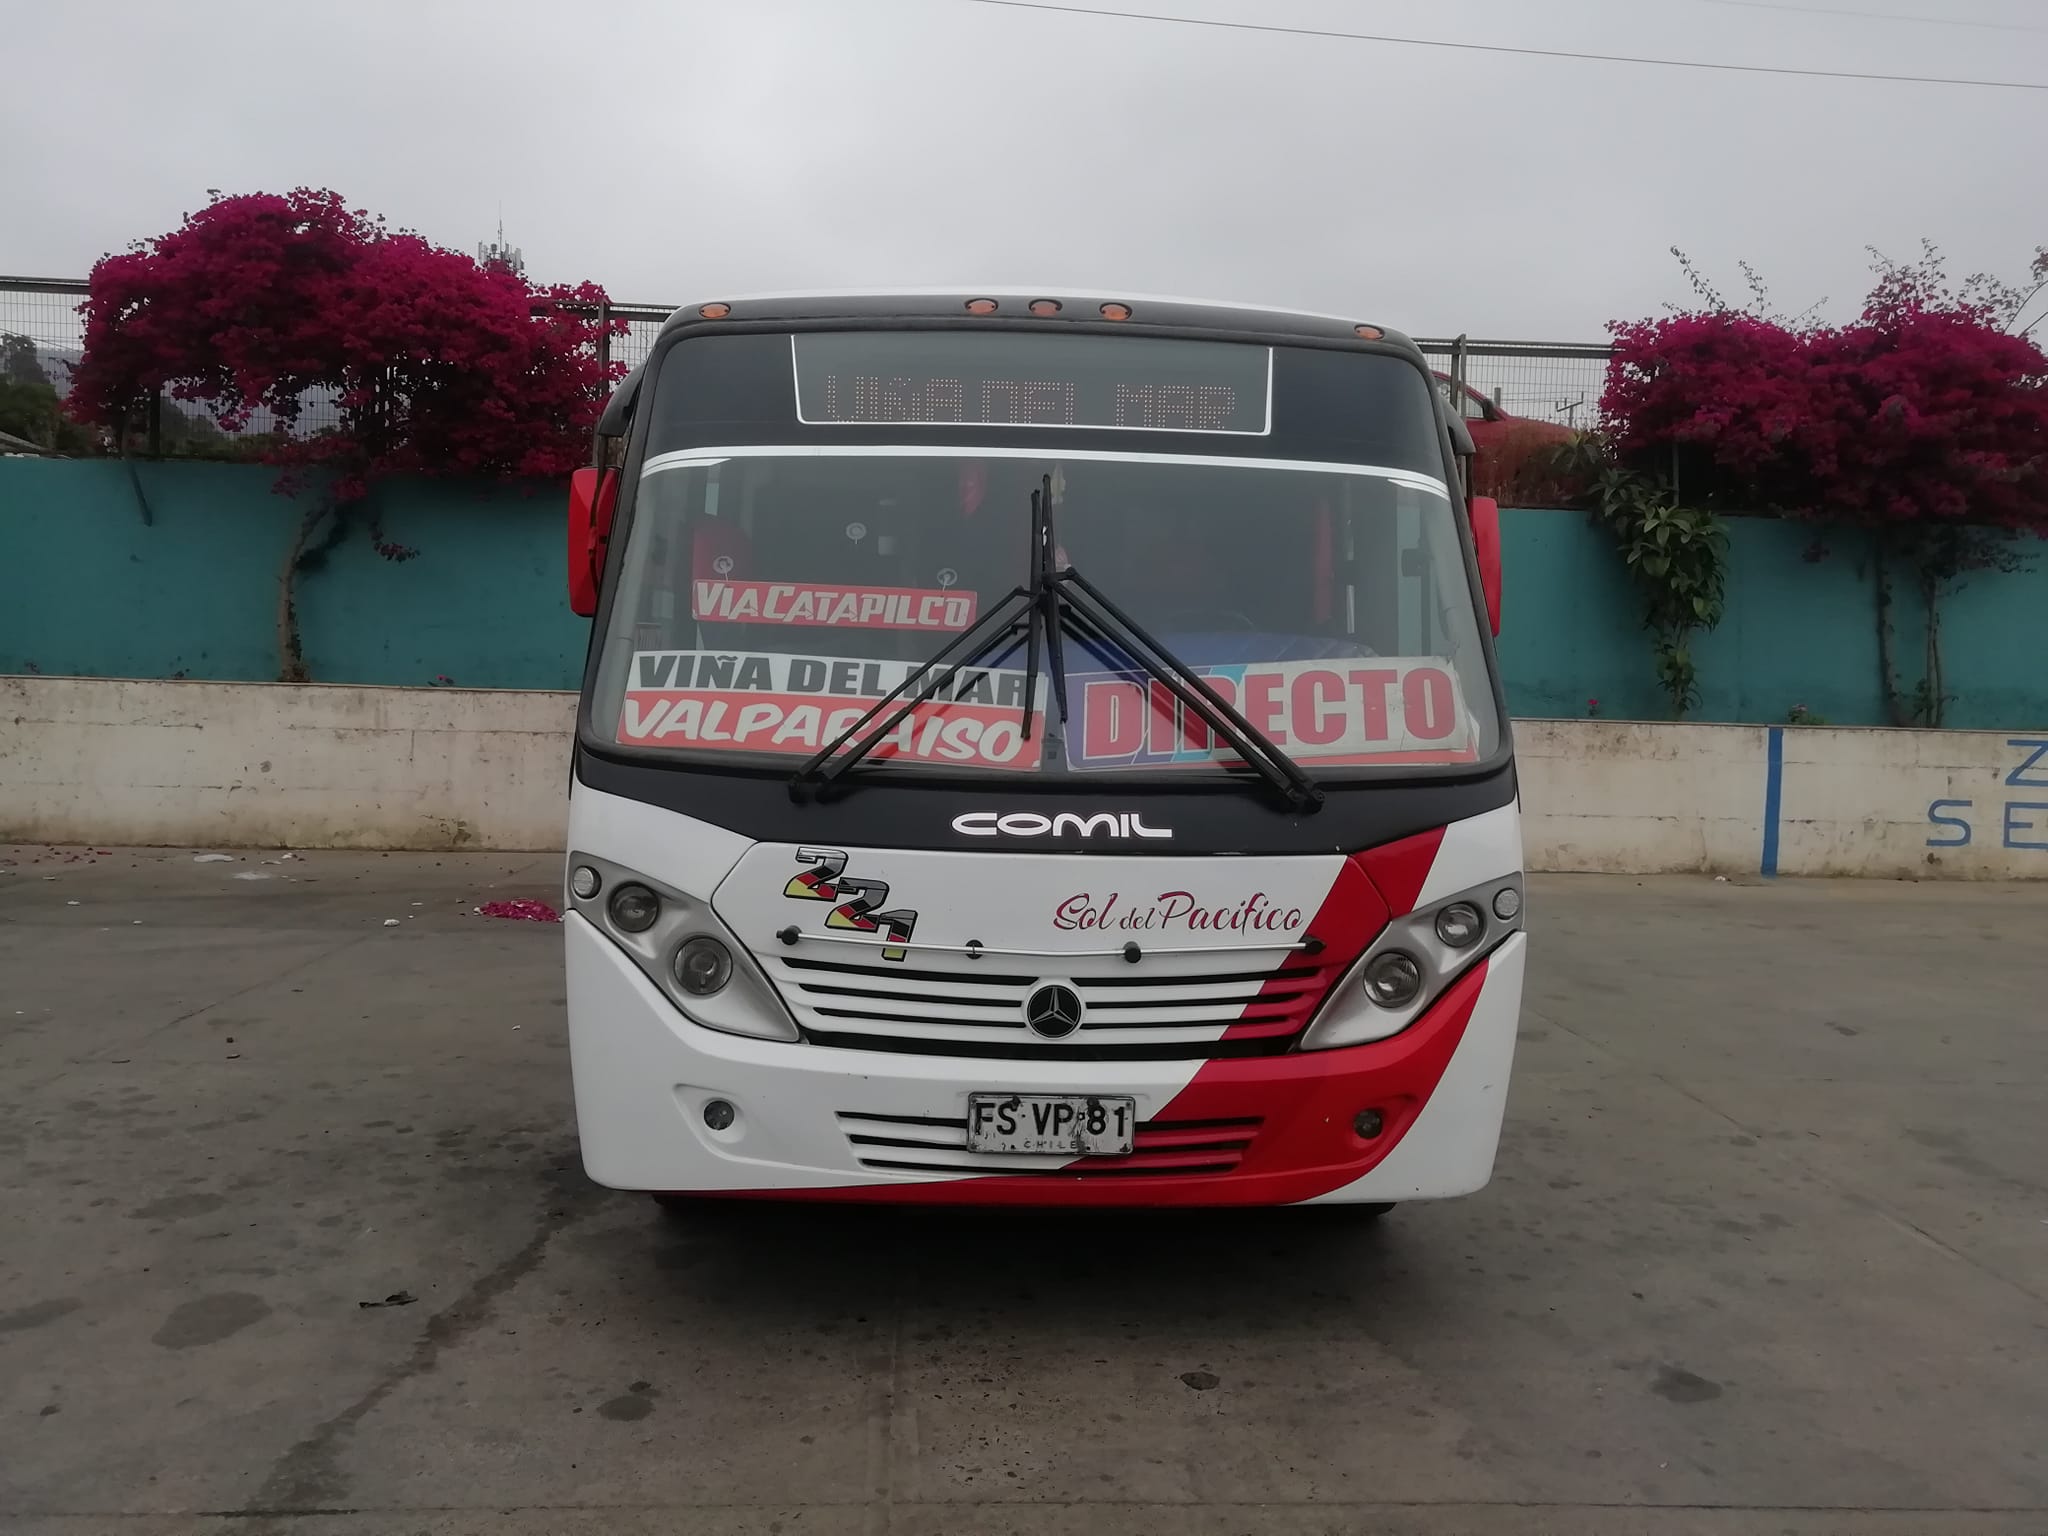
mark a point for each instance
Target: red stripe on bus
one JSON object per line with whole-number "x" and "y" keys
{"x": 1400, "y": 870}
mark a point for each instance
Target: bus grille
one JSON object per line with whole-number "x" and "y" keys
{"x": 1130, "y": 1013}
{"x": 936, "y": 1144}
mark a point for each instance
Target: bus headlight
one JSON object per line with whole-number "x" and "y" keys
{"x": 1393, "y": 979}
{"x": 702, "y": 966}
{"x": 681, "y": 945}
{"x": 1459, "y": 925}
{"x": 634, "y": 908}
{"x": 1406, "y": 968}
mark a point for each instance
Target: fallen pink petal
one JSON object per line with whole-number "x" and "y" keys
{"x": 521, "y": 911}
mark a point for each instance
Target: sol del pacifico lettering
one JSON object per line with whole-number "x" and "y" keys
{"x": 1173, "y": 909}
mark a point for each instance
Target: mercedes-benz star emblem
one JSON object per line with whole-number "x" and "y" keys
{"x": 1054, "y": 1012}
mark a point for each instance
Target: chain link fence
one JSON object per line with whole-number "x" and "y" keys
{"x": 643, "y": 324}
{"x": 1553, "y": 382}
{"x": 45, "y": 310}
{"x": 42, "y": 338}
{"x": 1556, "y": 382}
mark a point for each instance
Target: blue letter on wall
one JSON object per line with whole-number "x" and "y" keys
{"x": 2017, "y": 779}
{"x": 1962, "y": 826}
{"x": 2012, "y": 826}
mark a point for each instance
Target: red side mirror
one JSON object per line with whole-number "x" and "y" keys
{"x": 1486, "y": 545}
{"x": 593, "y": 494}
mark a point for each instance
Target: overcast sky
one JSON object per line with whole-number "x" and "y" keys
{"x": 688, "y": 150}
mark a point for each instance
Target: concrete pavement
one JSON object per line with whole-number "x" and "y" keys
{"x": 1767, "y": 1251}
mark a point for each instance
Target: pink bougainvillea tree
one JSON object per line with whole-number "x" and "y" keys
{"x": 433, "y": 363}
{"x": 1923, "y": 421}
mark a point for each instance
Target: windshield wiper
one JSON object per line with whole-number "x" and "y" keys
{"x": 1033, "y": 608}
{"x": 1053, "y": 599}
{"x": 1045, "y": 602}
{"x": 1067, "y": 595}
{"x": 1015, "y": 610}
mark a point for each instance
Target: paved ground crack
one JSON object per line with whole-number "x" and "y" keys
{"x": 308, "y": 1475}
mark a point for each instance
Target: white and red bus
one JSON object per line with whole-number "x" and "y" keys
{"x": 1038, "y": 749}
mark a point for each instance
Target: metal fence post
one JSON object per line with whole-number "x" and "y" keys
{"x": 604, "y": 368}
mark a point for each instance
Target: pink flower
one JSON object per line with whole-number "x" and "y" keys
{"x": 434, "y": 365}
{"x": 1923, "y": 409}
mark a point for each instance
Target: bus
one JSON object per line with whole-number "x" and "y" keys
{"x": 1038, "y": 748}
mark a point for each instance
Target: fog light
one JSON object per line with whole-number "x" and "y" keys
{"x": 585, "y": 882}
{"x": 1506, "y": 903}
{"x": 1368, "y": 1124}
{"x": 719, "y": 1114}
{"x": 1459, "y": 925}
{"x": 634, "y": 908}
{"x": 702, "y": 966}
{"x": 1394, "y": 979}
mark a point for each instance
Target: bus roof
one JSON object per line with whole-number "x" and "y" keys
{"x": 1013, "y": 303}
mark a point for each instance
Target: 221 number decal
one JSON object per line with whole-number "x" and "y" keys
{"x": 855, "y": 900}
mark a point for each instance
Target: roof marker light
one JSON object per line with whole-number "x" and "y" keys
{"x": 1116, "y": 311}
{"x": 1370, "y": 332}
{"x": 1045, "y": 306}
{"x": 981, "y": 306}
{"x": 714, "y": 311}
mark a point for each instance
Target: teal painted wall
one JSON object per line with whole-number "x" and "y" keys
{"x": 91, "y": 589}
{"x": 1800, "y": 628}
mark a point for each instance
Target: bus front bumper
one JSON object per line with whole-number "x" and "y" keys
{"x": 1245, "y": 1131}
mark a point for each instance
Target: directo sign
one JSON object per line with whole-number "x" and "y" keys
{"x": 1369, "y": 710}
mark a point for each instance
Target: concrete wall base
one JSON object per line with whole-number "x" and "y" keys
{"x": 194, "y": 764}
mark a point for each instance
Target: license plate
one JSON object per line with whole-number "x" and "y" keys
{"x": 1078, "y": 1125}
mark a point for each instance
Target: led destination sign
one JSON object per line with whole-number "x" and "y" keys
{"x": 1014, "y": 379}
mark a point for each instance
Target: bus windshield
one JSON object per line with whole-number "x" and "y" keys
{"x": 770, "y": 594}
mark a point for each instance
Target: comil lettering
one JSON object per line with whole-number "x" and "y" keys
{"x": 1032, "y": 824}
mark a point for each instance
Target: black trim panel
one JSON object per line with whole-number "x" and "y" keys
{"x": 877, "y": 812}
